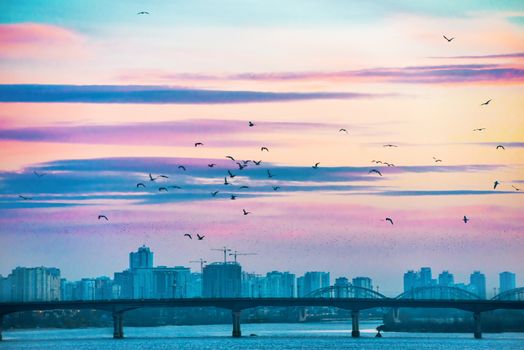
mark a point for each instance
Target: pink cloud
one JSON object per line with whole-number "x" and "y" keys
{"x": 33, "y": 41}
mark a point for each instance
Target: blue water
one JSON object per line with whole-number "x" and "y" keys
{"x": 311, "y": 336}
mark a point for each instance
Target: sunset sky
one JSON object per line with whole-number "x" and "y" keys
{"x": 96, "y": 97}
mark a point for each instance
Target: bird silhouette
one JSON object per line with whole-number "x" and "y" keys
{"x": 244, "y": 186}
{"x": 516, "y": 188}
{"x": 246, "y": 212}
{"x": 500, "y": 146}
{"x": 495, "y": 184}
{"x": 315, "y": 166}
{"x": 375, "y": 171}
{"x": 151, "y": 178}
{"x": 269, "y": 174}
{"x": 233, "y": 197}
{"x": 485, "y": 103}
{"x": 199, "y": 144}
{"x": 264, "y": 149}
{"x": 188, "y": 235}
{"x": 343, "y": 130}
{"x": 24, "y": 197}
{"x": 231, "y": 175}
{"x": 140, "y": 185}
{"x": 437, "y": 160}
{"x": 233, "y": 159}
{"x": 465, "y": 219}
{"x": 251, "y": 124}
{"x": 390, "y": 220}
{"x": 160, "y": 189}
{"x": 390, "y": 145}
{"x": 102, "y": 217}
{"x": 143, "y": 13}
{"x": 182, "y": 167}
{"x": 38, "y": 174}
{"x": 175, "y": 187}
{"x": 376, "y": 161}
{"x": 257, "y": 163}
{"x": 200, "y": 237}
{"x": 211, "y": 165}
{"x": 240, "y": 166}
{"x": 479, "y": 129}
{"x": 164, "y": 176}
{"x": 449, "y": 40}
{"x": 389, "y": 164}
{"x": 275, "y": 188}
{"x": 214, "y": 194}
{"x": 225, "y": 181}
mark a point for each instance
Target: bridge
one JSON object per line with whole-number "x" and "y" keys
{"x": 348, "y": 298}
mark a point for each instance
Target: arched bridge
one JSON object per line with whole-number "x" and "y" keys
{"x": 512, "y": 294}
{"x": 438, "y": 292}
{"x": 345, "y": 291}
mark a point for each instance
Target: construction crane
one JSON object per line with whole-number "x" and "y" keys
{"x": 235, "y": 254}
{"x": 224, "y": 250}
{"x": 202, "y": 262}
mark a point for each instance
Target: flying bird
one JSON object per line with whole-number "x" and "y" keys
{"x": 211, "y": 165}
{"x": 449, "y": 40}
{"x": 437, "y": 160}
{"x": 214, "y": 194}
{"x": 343, "y": 130}
{"x": 225, "y": 181}
{"x": 231, "y": 175}
{"x": 233, "y": 159}
{"x": 240, "y": 166}
{"x": 188, "y": 235}
{"x": 500, "y": 146}
{"x": 269, "y": 174}
{"x": 102, "y": 217}
{"x": 246, "y": 212}
{"x": 200, "y": 237}
{"x": 516, "y": 188}
{"x": 264, "y": 149}
{"x": 24, "y": 198}
{"x": 375, "y": 171}
{"x": 151, "y": 178}
{"x": 199, "y": 144}
{"x": 38, "y": 174}
{"x": 140, "y": 185}
{"x": 495, "y": 184}
{"x": 315, "y": 166}
{"x": 465, "y": 219}
{"x": 251, "y": 124}
{"x": 275, "y": 188}
{"x": 233, "y": 197}
{"x": 257, "y": 163}
{"x": 390, "y": 220}
{"x": 485, "y": 103}
{"x": 389, "y": 164}
{"x": 143, "y": 13}
{"x": 479, "y": 129}
{"x": 376, "y": 161}
{"x": 244, "y": 186}
{"x": 164, "y": 176}
{"x": 182, "y": 167}
{"x": 160, "y": 189}
{"x": 390, "y": 145}
{"x": 174, "y": 186}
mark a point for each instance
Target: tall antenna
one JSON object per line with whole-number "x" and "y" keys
{"x": 235, "y": 254}
{"x": 224, "y": 250}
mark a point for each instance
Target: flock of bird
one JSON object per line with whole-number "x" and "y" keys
{"x": 242, "y": 164}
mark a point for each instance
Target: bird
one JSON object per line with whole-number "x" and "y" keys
{"x": 214, "y": 194}
{"x": 160, "y": 189}
{"x": 486, "y": 103}
{"x": 182, "y": 167}
{"x": 479, "y": 129}
{"x": 102, "y": 217}
{"x": 151, "y": 178}
{"x": 231, "y": 175}
{"x": 233, "y": 159}
{"x": 164, "y": 176}
{"x": 246, "y": 212}
{"x": 240, "y": 166}
{"x": 24, "y": 198}
{"x": 315, "y": 166}
{"x": 244, "y": 186}
{"x": 246, "y": 162}
{"x": 343, "y": 130}
{"x": 449, "y": 40}
{"x": 198, "y": 144}
{"x": 200, "y": 237}
{"x": 465, "y": 219}
{"x": 143, "y": 13}
{"x": 390, "y": 220}
{"x": 211, "y": 165}
{"x": 376, "y": 161}
{"x": 389, "y": 164}
{"x": 390, "y": 145}
{"x": 264, "y": 149}
{"x": 495, "y": 184}
{"x": 269, "y": 174}
{"x": 500, "y": 146}
{"x": 140, "y": 185}
{"x": 257, "y": 163}
{"x": 275, "y": 188}
{"x": 188, "y": 235}
{"x": 233, "y": 197}
{"x": 38, "y": 174}
{"x": 225, "y": 181}
{"x": 437, "y": 160}
{"x": 251, "y": 124}
{"x": 516, "y": 188}
{"x": 174, "y": 186}
{"x": 375, "y": 171}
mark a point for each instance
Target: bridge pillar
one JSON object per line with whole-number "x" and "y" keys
{"x": 236, "y": 324}
{"x": 477, "y": 330}
{"x": 355, "y": 331}
{"x": 1, "y": 322}
{"x": 118, "y": 325}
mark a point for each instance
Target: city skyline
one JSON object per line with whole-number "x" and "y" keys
{"x": 338, "y": 136}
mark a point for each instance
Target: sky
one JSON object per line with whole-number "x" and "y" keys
{"x": 95, "y": 97}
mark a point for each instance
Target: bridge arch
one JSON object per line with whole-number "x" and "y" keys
{"x": 438, "y": 292}
{"x": 512, "y": 294}
{"x": 345, "y": 291}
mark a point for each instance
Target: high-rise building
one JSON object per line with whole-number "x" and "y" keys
{"x": 426, "y": 278}
{"x": 312, "y": 281}
{"x": 364, "y": 283}
{"x": 280, "y": 284}
{"x": 123, "y": 285}
{"x": 477, "y": 281}
{"x": 87, "y": 289}
{"x": 410, "y": 280}
{"x": 341, "y": 287}
{"x": 35, "y": 284}
{"x": 507, "y": 281}
{"x": 170, "y": 282}
{"x": 142, "y": 258}
{"x": 446, "y": 279}
{"x": 195, "y": 285}
{"x": 222, "y": 280}
{"x": 5, "y": 288}
{"x": 103, "y": 288}
{"x": 253, "y": 285}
